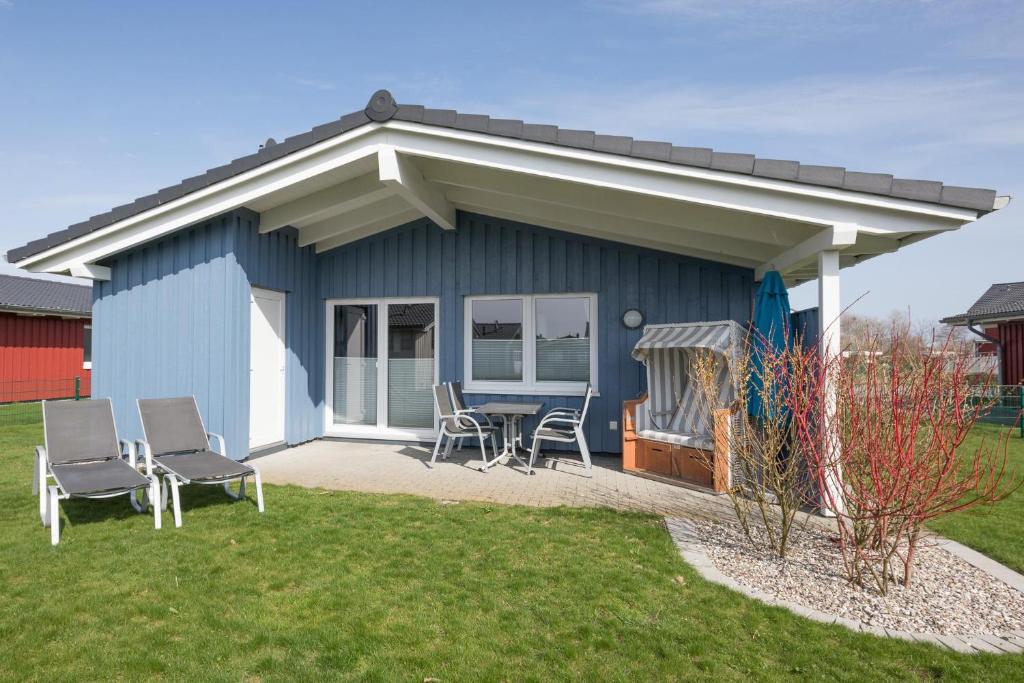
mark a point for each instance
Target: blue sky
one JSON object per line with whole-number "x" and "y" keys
{"x": 107, "y": 101}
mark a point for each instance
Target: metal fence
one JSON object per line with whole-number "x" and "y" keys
{"x": 20, "y": 399}
{"x": 1007, "y": 405}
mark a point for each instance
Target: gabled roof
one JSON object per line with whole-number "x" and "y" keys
{"x": 382, "y": 108}
{"x": 44, "y": 296}
{"x": 1002, "y": 300}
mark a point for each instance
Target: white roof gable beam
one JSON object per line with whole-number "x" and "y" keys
{"x": 358, "y": 232}
{"x": 367, "y": 214}
{"x": 402, "y": 176}
{"x": 358, "y": 192}
{"x": 833, "y": 238}
{"x": 91, "y": 271}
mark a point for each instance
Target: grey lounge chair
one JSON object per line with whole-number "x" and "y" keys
{"x": 458, "y": 425}
{"x": 564, "y": 425}
{"x": 177, "y": 446}
{"x": 85, "y": 459}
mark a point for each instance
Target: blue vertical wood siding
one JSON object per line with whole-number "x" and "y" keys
{"x": 487, "y": 255}
{"x": 174, "y": 319}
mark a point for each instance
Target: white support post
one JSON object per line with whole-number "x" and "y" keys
{"x": 830, "y": 349}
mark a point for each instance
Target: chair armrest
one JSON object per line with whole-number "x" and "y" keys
{"x": 474, "y": 411}
{"x": 132, "y": 453}
{"x": 147, "y": 452}
{"x": 219, "y": 439}
{"x": 558, "y": 418}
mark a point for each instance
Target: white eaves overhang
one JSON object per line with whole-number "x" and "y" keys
{"x": 382, "y": 175}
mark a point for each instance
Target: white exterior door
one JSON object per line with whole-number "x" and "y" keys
{"x": 266, "y": 368}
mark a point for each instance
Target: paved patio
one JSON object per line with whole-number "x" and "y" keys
{"x": 390, "y": 468}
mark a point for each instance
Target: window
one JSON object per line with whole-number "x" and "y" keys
{"x": 539, "y": 344}
{"x": 87, "y": 347}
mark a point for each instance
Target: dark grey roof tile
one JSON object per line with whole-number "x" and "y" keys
{"x": 920, "y": 190}
{"x": 584, "y": 139}
{"x": 409, "y": 112}
{"x": 1000, "y": 301}
{"x": 730, "y": 161}
{"x": 873, "y": 183}
{"x": 776, "y": 168}
{"x": 473, "y": 122}
{"x": 691, "y": 156}
{"x": 508, "y": 128}
{"x": 646, "y": 149}
{"x": 327, "y": 130}
{"x": 968, "y": 197}
{"x": 439, "y": 117}
{"x": 31, "y": 294}
{"x": 539, "y": 133}
{"x": 613, "y": 144}
{"x": 831, "y": 176}
{"x": 355, "y": 119}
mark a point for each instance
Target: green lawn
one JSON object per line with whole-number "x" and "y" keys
{"x": 996, "y": 530}
{"x": 363, "y": 587}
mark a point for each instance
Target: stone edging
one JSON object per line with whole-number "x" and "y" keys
{"x": 691, "y": 548}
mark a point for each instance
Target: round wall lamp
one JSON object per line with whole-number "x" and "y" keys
{"x": 632, "y": 319}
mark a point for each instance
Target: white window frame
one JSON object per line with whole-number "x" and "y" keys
{"x": 381, "y": 430}
{"x": 529, "y": 385}
{"x": 87, "y": 364}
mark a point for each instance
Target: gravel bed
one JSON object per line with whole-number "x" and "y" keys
{"x": 947, "y": 596}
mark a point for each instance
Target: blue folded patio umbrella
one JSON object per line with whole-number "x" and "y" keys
{"x": 770, "y": 329}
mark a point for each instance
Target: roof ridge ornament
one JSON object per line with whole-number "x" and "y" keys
{"x": 381, "y": 106}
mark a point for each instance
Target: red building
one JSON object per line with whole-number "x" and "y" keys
{"x": 999, "y": 318}
{"x": 45, "y": 339}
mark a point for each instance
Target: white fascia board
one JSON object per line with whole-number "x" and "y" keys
{"x": 833, "y": 238}
{"x": 781, "y": 199}
{"x": 205, "y": 203}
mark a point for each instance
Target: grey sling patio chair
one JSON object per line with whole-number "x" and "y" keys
{"x": 459, "y": 404}
{"x": 564, "y": 425}
{"x": 177, "y": 446}
{"x": 457, "y": 426}
{"x": 85, "y": 459}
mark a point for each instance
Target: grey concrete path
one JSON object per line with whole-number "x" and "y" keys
{"x": 388, "y": 468}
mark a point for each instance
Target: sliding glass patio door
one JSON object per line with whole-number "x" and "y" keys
{"x": 382, "y": 365}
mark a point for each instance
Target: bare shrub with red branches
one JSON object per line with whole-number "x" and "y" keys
{"x": 769, "y": 473}
{"x": 896, "y": 458}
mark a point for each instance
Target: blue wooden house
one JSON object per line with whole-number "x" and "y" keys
{"x": 319, "y": 286}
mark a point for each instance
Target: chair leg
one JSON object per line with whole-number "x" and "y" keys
{"x": 163, "y": 496}
{"x": 534, "y": 448}
{"x": 154, "y": 497}
{"x": 437, "y": 447}
{"x": 259, "y": 489}
{"x": 449, "y": 446}
{"x": 133, "y": 498}
{"x": 581, "y": 439}
{"x": 241, "y": 489}
{"x": 54, "y": 516}
{"x": 41, "y": 487}
{"x": 175, "y": 499}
